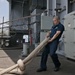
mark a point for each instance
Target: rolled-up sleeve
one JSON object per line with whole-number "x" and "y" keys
{"x": 60, "y": 28}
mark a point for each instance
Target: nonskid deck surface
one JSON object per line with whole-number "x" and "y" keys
{"x": 10, "y": 57}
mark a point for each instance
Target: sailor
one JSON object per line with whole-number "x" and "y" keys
{"x": 54, "y": 34}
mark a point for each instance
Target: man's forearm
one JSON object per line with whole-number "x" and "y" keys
{"x": 55, "y": 36}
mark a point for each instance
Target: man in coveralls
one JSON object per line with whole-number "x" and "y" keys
{"x": 54, "y": 34}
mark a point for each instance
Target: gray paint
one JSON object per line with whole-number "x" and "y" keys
{"x": 17, "y": 12}
{"x": 70, "y": 35}
{"x": 36, "y": 26}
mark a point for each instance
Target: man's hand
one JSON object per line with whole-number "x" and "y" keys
{"x": 55, "y": 36}
{"x": 48, "y": 34}
{"x": 50, "y": 40}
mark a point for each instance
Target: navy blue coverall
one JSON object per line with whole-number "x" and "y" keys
{"x": 51, "y": 48}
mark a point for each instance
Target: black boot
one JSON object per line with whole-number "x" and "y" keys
{"x": 57, "y": 68}
{"x": 41, "y": 70}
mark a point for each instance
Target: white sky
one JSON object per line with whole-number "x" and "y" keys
{"x": 4, "y": 10}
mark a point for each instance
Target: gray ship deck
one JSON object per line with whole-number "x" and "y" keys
{"x": 10, "y": 57}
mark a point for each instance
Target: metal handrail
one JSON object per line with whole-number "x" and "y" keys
{"x": 21, "y": 18}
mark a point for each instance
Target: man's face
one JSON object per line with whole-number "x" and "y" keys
{"x": 55, "y": 21}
